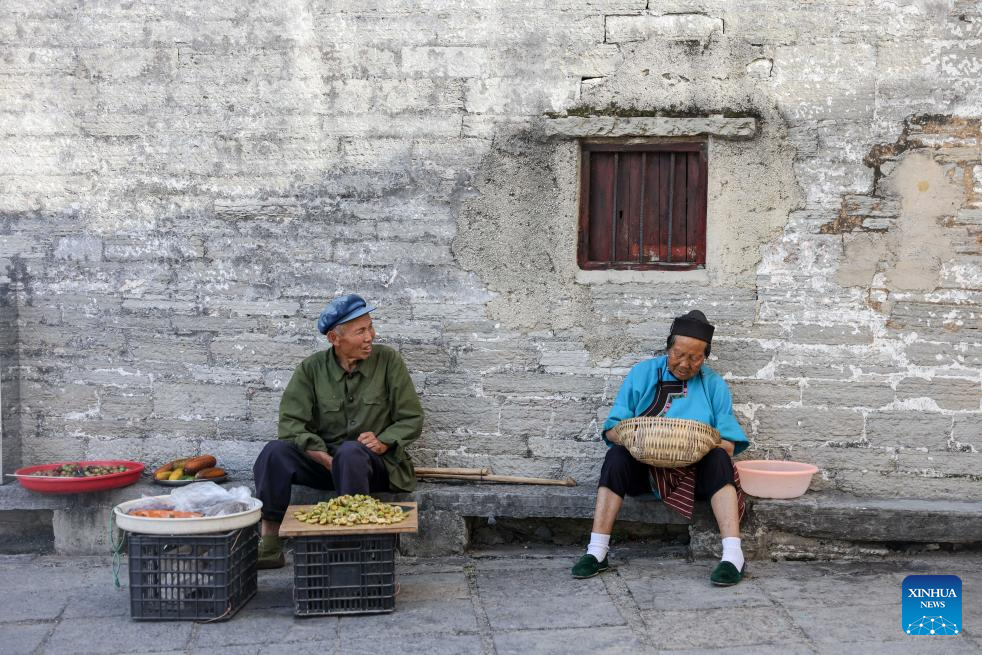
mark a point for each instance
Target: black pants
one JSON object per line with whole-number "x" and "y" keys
{"x": 626, "y": 476}
{"x": 355, "y": 470}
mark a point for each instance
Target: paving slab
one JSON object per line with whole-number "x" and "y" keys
{"x": 228, "y": 650}
{"x": 34, "y": 572}
{"x": 432, "y": 586}
{"x": 439, "y": 644}
{"x": 926, "y": 645}
{"x": 524, "y": 598}
{"x": 679, "y": 585}
{"x": 679, "y": 629}
{"x": 802, "y": 591}
{"x": 780, "y": 649}
{"x": 98, "y": 601}
{"x": 420, "y": 617}
{"x": 109, "y": 635}
{"x": 249, "y": 626}
{"x": 851, "y": 623}
{"x": 509, "y": 600}
{"x": 329, "y": 647}
{"x": 310, "y": 628}
{"x": 599, "y": 641}
{"x": 22, "y": 639}
{"x": 39, "y": 604}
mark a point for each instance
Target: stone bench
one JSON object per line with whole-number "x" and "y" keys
{"x": 446, "y": 505}
{"x": 818, "y": 525}
{"x": 80, "y": 522}
{"x": 830, "y": 525}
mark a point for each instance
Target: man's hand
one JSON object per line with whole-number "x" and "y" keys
{"x": 370, "y": 441}
{"x": 321, "y": 458}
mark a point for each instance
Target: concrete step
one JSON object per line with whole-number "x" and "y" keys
{"x": 834, "y": 516}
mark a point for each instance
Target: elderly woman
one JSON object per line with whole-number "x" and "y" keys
{"x": 675, "y": 385}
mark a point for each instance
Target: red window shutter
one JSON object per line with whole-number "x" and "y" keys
{"x": 627, "y": 224}
{"x": 643, "y": 207}
{"x": 603, "y": 171}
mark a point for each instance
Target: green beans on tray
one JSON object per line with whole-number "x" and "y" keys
{"x": 351, "y": 510}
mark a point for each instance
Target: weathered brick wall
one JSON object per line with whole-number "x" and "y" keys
{"x": 184, "y": 185}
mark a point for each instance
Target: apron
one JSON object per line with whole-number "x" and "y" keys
{"x": 677, "y": 486}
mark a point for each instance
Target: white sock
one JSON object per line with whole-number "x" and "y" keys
{"x": 599, "y": 545}
{"x": 732, "y": 552}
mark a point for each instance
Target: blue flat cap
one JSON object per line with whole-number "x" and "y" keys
{"x": 341, "y": 310}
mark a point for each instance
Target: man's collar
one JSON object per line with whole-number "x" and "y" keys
{"x": 366, "y": 367}
{"x": 334, "y": 369}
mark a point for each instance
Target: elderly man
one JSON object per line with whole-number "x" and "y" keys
{"x": 675, "y": 385}
{"x": 346, "y": 418}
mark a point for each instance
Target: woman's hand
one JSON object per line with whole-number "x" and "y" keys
{"x": 727, "y": 446}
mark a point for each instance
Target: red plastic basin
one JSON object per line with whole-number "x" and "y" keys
{"x": 46, "y": 485}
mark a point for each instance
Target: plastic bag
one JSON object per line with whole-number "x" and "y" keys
{"x": 211, "y": 499}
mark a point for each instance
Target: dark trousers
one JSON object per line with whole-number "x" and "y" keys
{"x": 626, "y": 476}
{"x": 355, "y": 470}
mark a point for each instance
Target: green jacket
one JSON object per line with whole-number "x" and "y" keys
{"x": 323, "y": 406}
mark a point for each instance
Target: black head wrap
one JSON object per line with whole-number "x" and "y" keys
{"x": 693, "y": 324}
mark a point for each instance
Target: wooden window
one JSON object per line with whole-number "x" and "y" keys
{"x": 643, "y": 207}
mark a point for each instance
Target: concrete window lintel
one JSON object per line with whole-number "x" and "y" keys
{"x": 612, "y": 126}
{"x": 614, "y": 276}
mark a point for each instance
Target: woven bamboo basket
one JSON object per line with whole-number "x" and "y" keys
{"x": 665, "y": 442}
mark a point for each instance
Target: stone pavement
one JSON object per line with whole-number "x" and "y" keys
{"x": 510, "y": 600}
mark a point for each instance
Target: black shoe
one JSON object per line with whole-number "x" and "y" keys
{"x": 588, "y": 566}
{"x": 726, "y": 575}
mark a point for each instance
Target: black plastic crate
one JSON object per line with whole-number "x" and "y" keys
{"x": 344, "y": 574}
{"x": 199, "y": 577}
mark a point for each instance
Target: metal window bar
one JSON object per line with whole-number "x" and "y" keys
{"x": 644, "y": 175}
{"x": 615, "y": 208}
{"x": 671, "y": 201}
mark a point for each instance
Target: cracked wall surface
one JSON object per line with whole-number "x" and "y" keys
{"x": 185, "y": 186}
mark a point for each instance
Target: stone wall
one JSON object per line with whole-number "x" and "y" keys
{"x": 184, "y": 185}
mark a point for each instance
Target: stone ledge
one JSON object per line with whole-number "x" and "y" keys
{"x": 833, "y": 516}
{"x": 612, "y": 126}
{"x": 516, "y": 501}
{"x": 465, "y": 498}
{"x": 13, "y": 496}
{"x": 80, "y": 520}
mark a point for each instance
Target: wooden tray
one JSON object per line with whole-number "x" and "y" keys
{"x": 291, "y": 527}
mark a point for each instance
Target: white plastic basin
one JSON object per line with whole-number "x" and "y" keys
{"x": 200, "y": 525}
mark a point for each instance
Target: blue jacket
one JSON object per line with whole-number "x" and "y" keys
{"x": 707, "y": 400}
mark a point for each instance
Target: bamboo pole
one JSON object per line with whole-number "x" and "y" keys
{"x": 568, "y": 482}
{"x": 422, "y": 470}
{"x": 447, "y": 474}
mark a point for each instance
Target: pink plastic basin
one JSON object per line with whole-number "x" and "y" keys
{"x": 767, "y": 478}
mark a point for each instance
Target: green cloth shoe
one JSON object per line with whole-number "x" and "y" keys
{"x": 588, "y": 566}
{"x": 726, "y": 575}
{"x": 271, "y": 553}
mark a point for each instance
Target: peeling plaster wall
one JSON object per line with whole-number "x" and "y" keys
{"x": 184, "y": 186}
{"x": 519, "y": 231}
{"x": 910, "y": 253}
